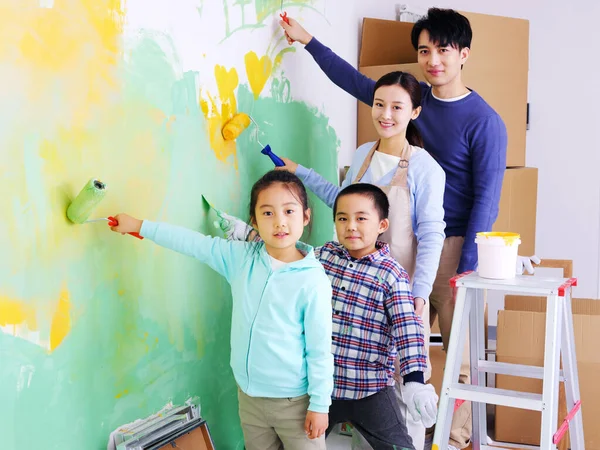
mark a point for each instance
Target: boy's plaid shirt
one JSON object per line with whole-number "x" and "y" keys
{"x": 373, "y": 321}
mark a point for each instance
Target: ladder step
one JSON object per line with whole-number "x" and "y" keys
{"x": 509, "y": 446}
{"x": 517, "y": 370}
{"x": 494, "y": 445}
{"x": 495, "y": 396}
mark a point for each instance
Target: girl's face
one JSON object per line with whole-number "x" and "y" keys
{"x": 280, "y": 218}
{"x": 392, "y": 111}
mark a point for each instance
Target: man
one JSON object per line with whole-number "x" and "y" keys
{"x": 466, "y": 137}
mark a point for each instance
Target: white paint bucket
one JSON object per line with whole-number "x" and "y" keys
{"x": 497, "y": 254}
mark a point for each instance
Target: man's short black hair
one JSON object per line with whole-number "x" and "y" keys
{"x": 446, "y": 27}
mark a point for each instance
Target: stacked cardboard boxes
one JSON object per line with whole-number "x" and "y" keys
{"x": 520, "y": 340}
{"x": 498, "y": 70}
{"x": 521, "y": 331}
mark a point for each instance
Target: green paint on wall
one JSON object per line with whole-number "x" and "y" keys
{"x": 296, "y": 131}
{"x": 148, "y": 326}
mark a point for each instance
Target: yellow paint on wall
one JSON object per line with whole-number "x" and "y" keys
{"x": 13, "y": 312}
{"x": 60, "y": 43}
{"x": 227, "y": 82}
{"x": 48, "y": 40}
{"x": 61, "y": 322}
{"x": 258, "y": 71}
{"x": 60, "y": 68}
{"x": 122, "y": 393}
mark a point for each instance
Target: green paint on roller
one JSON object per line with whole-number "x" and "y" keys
{"x": 88, "y": 198}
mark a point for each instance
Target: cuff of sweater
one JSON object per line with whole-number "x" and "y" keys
{"x": 148, "y": 229}
{"x": 318, "y": 408}
{"x": 422, "y": 292}
{"x": 416, "y": 377}
{"x": 468, "y": 259}
{"x": 313, "y": 46}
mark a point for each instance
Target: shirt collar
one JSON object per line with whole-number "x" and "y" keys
{"x": 382, "y": 250}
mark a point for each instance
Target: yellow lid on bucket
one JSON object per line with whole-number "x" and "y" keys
{"x": 509, "y": 238}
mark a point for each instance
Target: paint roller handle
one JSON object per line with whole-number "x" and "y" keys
{"x": 276, "y": 159}
{"x": 285, "y": 18}
{"x": 112, "y": 222}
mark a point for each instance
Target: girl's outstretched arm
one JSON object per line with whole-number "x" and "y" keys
{"x": 221, "y": 255}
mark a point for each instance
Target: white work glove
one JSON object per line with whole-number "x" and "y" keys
{"x": 526, "y": 263}
{"x": 235, "y": 229}
{"x": 421, "y": 401}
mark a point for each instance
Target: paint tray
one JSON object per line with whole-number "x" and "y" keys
{"x": 164, "y": 423}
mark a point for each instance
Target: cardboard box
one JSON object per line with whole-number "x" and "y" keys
{"x": 518, "y": 203}
{"x": 497, "y": 69}
{"x": 521, "y": 340}
{"x": 196, "y": 439}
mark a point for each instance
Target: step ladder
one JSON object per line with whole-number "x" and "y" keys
{"x": 559, "y": 341}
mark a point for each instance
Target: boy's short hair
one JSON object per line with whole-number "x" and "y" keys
{"x": 374, "y": 193}
{"x": 446, "y": 27}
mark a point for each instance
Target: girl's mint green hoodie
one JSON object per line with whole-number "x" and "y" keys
{"x": 281, "y": 319}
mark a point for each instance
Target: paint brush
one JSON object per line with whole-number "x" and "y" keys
{"x": 217, "y": 211}
{"x": 88, "y": 198}
{"x": 223, "y": 223}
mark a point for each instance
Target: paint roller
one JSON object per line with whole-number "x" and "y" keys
{"x": 88, "y": 198}
{"x": 237, "y": 124}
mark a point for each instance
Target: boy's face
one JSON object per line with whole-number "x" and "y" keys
{"x": 440, "y": 65}
{"x": 358, "y": 225}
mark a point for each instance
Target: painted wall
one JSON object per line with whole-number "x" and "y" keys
{"x": 99, "y": 329}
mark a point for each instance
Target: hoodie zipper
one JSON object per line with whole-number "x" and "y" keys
{"x": 252, "y": 327}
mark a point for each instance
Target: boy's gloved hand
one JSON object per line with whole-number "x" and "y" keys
{"x": 421, "y": 401}
{"x": 235, "y": 229}
{"x": 526, "y": 263}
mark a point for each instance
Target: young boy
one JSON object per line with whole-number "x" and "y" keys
{"x": 373, "y": 322}
{"x": 466, "y": 137}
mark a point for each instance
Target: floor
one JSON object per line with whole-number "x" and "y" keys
{"x": 336, "y": 441}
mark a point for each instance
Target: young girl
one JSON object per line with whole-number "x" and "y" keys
{"x": 412, "y": 179}
{"x": 281, "y": 319}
